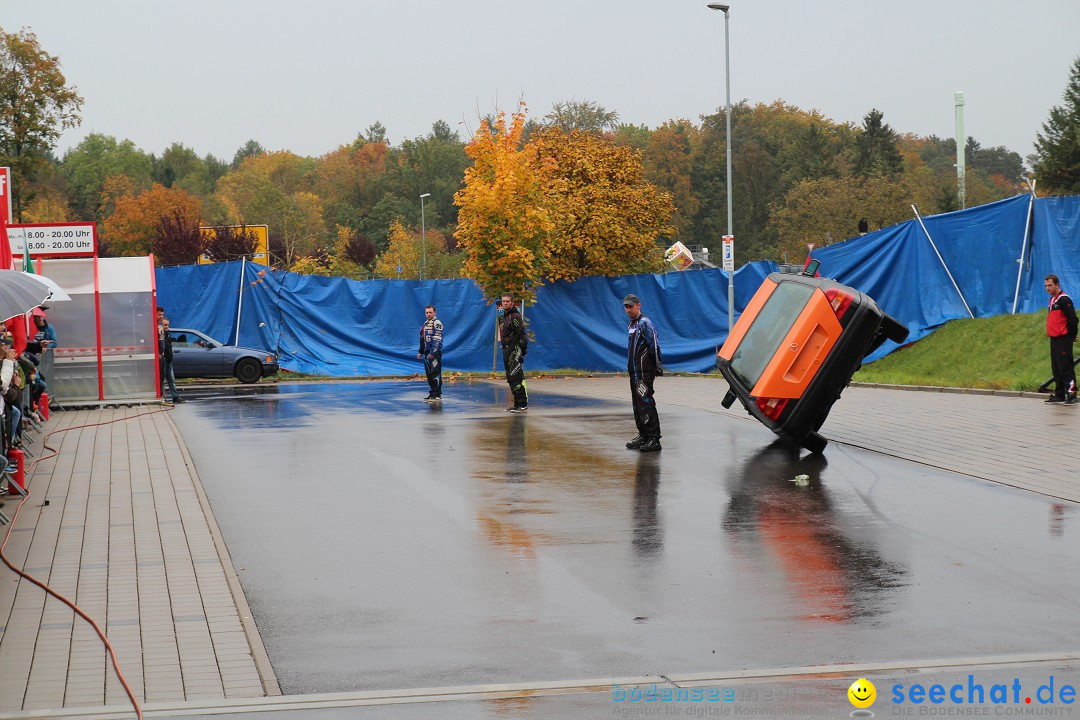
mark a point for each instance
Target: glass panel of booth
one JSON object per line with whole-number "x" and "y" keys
{"x": 127, "y": 328}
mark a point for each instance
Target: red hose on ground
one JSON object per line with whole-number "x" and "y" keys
{"x": 49, "y": 590}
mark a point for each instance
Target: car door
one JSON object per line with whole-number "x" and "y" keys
{"x": 215, "y": 358}
{"x": 206, "y": 357}
{"x": 186, "y": 361}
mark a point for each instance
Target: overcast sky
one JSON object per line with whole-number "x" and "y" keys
{"x": 308, "y": 76}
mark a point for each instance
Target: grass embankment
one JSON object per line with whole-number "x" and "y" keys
{"x": 1007, "y": 352}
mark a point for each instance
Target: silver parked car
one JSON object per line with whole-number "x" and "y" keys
{"x": 198, "y": 355}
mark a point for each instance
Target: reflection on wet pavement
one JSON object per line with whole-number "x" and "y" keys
{"x": 832, "y": 576}
{"x": 384, "y": 543}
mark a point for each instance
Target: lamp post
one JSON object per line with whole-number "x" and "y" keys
{"x": 423, "y": 235}
{"x": 727, "y": 115}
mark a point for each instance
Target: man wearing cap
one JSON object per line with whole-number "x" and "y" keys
{"x": 643, "y": 362}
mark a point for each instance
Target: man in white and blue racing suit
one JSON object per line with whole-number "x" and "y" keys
{"x": 431, "y": 343}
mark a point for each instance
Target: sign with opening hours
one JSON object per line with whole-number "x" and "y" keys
{"x": 53, "y": 239}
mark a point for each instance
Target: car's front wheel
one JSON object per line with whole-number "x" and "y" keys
{"x": 248, "y": 370}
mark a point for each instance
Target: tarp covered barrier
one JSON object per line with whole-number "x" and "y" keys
{"x": 897, "y": 266}
{"x": 334, "y": 326}
{"x": 340, "y": 327}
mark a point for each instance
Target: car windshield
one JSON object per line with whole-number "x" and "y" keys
{"x": 768, "y": 330}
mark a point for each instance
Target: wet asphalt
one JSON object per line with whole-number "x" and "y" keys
{"x": 384, "y": 543}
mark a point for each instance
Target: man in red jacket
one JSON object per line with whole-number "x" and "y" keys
{"x": 1061, "y": 329}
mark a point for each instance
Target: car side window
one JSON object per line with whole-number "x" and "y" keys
{"x": 180, "y": 340}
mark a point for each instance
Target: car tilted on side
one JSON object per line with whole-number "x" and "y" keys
{"x": 197, "y": 355}
{"x": 795, "y": 348}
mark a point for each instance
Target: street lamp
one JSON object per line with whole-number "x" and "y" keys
{"x": 423, "y": 235}
{"x": 727, "y": 73}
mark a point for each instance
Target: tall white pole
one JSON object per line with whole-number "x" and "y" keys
{"x": 730, "y": 232}
{"x": 240, "y": 298}
{"x": 726, "y": 9}
{"x": 423, "y": 235}
{"x": 961, "y": 146}
{"x": 1023, "y": 245}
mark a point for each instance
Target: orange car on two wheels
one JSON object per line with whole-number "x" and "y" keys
{"x": 795, "y": 348}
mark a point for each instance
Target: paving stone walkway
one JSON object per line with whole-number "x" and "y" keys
{"x": 127, "y": 536}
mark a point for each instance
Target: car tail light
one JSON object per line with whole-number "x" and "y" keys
{"x": 772, "y": 407}
{"x": 839, "y": 300}
{"x": 269, "y": 358}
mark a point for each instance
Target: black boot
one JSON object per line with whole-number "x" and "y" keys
{"x": 650, "y": 445}
{"x": 635, "y": 443}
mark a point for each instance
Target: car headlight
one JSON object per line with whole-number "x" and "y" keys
{"x": 269, "y": 358}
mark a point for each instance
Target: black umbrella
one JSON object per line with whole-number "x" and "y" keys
{"x": 20, "y": 293}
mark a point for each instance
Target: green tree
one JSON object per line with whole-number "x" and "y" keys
{"x": 433, "y": 164}
{"x": 376, "y": 133}
{"x": 180, "y": 166}
{"x": 877, "y": 151}
{"x": 275, "y": 189}
{"x": 999, "y": 161}
{"x": 635, "y": 136}
{"x": 668, "y": 160}
{"x": 1057, "y": 147}
{"x": 98, "y": 157}
{"x": 829, "y": 209}
{"x": 817, "y": 150}
{"x": 250, "y": 149}
{"x": 763, "y": 136}
{"x": 351, "y": 181}
{"x": 584, "y": 115}
{"x": 36, "y": 104}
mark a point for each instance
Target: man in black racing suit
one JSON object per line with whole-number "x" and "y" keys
{"x": 515, "y": 345}
{"x": 643, "y": 362}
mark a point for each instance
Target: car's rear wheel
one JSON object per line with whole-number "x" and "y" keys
{"x": 248, "y": 370}
{"x": 815, "y": 443}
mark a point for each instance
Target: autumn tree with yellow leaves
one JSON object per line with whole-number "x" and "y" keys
{"x": 504, "y": 216}
{"x": 406, "y": 250}
{"x": 606, "y": 216}
{"x": 563, "y": 205}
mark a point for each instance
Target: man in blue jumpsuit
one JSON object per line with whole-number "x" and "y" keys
{"x": 431, "y": 341}
{"x": 643, "y": 362}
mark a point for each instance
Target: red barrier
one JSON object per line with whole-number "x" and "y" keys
{"x": 43, "y": 405}
{"x": 18, "y": 476}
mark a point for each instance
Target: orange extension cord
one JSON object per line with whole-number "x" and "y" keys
{"x": 49, "y": 590}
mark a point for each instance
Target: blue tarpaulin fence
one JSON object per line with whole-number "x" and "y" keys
{"x": 340, "y": 327}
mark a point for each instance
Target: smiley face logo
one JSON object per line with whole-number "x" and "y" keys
{"x": 862, "y": 693}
